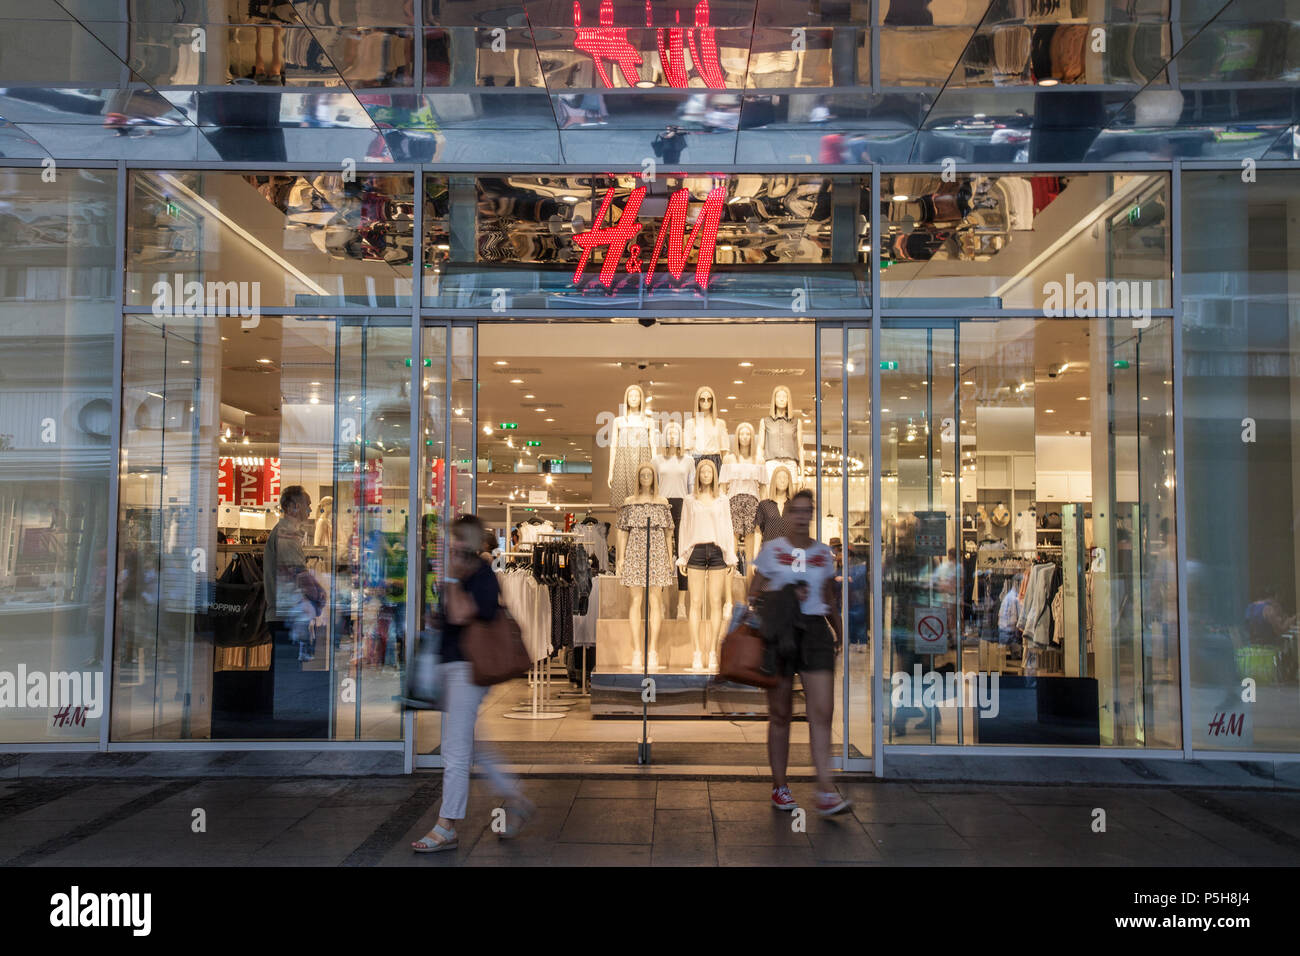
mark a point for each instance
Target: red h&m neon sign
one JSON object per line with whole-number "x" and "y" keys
{"x": 608, "y": 42}
{"x": 615, "y": 238}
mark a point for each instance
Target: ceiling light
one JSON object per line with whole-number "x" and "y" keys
{"x": 315, "y": 383}
{"x": 516, "y": 381}
{"x": 487, "y": 429}
{"x": 185, "y": 361}
{"x": 737, "y": 381}
{"x": 1049, "y": 411}
{"x": 501, "y": 362}
{"x": 530, "y": 396}
{"x": 746, "y": 364}
{"x": 731, "y": 398}
{"x": 314, "y": 400}
{"x": 539, "y": 409}
{"x": 899, "y": 197}
{"x": 568, "y": 198}
{"x": 550, "y": 479}
{"x": 1047, "y": 81}
{"x": 645, "y": 84}
{"x": 550, "y": 419}
{"x": 1082, "y": 398}
{"x": 263, "y": 361}
{"x": 459, "y": 411}
{"x": 968, "y": 382}
{"x": 246, "y": 440}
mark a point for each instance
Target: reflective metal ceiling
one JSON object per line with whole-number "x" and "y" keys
{"x": 597, "y": 83}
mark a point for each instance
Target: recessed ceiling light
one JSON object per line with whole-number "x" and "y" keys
{"x": 899, "y": 197}
{"x": 1047, "y": 81}
{"x": 731, "y": 398}
{"x": 263, "y": 361}
{"x": 459, "y": 411}
{"x": 1082, "y": 398}
{"x": 746, "y": 364}
{"x": 568, "y": 198}
{"x": 530, "y": 396}
{"x": 487, "y": 429}
{"x": 516, "y": 381}
{"x": 737, "y": 382}
{"x": 502, "y": 362}
{"x": 314, "y": 400}
{"x": 550, "y": 419}
{"x": 539, "y": 409}
{"x": 315, "y": 383}
{"x": 723, "y": 410}
{"x": 968, "y": 382}
{"x": 185, "y": 361}
{"x": 1049, "y": 411}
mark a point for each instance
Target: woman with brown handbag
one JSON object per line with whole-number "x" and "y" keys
{"x": 472, "y": 595}
{"x": 796, "y": 578}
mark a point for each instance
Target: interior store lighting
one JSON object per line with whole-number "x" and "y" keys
{"x": 240, "y": 231}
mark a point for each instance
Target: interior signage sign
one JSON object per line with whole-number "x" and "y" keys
{"x": 618, "y": 239}
{"x": 610, "y": 42}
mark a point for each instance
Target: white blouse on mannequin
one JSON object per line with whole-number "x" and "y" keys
{"x": 702, "y": 438}
{"x": 676, "y": 475}
{"x": 706, "y": 522}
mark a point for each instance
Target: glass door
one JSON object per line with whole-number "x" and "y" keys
{"x": 843, "y": 488}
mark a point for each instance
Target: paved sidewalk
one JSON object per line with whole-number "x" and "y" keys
{"x": 351, "y": 821}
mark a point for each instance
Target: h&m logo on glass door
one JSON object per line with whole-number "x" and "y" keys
{"x": 618, "y": 239}
{"x": 608, "y": 42}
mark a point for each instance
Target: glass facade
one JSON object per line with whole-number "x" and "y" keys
{"x": 1023, "y": 270}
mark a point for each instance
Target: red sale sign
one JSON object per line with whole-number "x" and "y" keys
{"x": 608, "y": 42}
{"x": 616, "y": 239}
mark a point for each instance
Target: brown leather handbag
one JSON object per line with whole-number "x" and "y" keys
{"x": 740, "y": 659}
{"x": 495, "y": 649}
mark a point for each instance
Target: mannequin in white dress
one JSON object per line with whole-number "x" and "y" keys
{"x": 324, "y": 522}
{"x": 708, "y": 553}
{"x": 632, "y": 441}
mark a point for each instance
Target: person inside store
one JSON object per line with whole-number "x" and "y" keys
{"x": 293, "y": 595}
{"x": 797, "y": 598}
{"x": 472, "y": 593}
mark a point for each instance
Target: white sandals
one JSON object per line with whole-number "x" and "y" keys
{"x": 427, "y": 843}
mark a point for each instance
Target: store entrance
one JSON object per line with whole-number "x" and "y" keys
{"x": 590, "y": 433}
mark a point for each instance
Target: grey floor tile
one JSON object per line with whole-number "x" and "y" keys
{"x": 849, "y": 844}
{"x": 610, "y": 820}
{"x": 906, "y": 837}
{"x": 586, "y": 854}
{"x": 750, "y": 855}
{"x": 735, "y": 810}
{"x": 771, "y": 833}
{"x": 742, "y": 790}
{"x": 914, "y": 810}
{"x": 684, "y": 821}
{"x": 678, "y": 799}
{"x": 618, "y": 789}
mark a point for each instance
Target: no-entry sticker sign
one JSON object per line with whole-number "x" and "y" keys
{"x": 931, "y": 629}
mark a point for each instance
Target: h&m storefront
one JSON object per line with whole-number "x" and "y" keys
{"x": 1045, "y": 404}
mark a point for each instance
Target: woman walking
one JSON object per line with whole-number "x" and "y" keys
{"x": 795, "y": 582}
{"x": 472, "y": 595}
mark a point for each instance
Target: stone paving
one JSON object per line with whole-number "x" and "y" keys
{"x": 370, "y": 821}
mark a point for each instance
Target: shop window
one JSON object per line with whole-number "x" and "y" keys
{"x": 242, "y": 614}
{"x": 56, "y": 457}
{"x": 1241, "y": 305}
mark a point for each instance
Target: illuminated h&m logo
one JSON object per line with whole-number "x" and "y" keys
{"x": 616, "y": 239}
{"x": 608, "y": 42}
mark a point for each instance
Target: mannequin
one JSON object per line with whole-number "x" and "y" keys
{"x": 645, "y": 505}
{"x": 706, "y": 434}
{"x": 780, "y": 437}
{"x": 631, "y": 445}
{"x": 324, "y": 522}
{"x": 742, "y": 476}
{"x": 676, "y": 474}
{"x": 708, "y": 546}
{"x": 770, "y": 518}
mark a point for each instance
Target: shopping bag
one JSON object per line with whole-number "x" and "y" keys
{"x": 495, "y": 649}
{"x": 424, "y": 689}
{"x": 743, "y": 651}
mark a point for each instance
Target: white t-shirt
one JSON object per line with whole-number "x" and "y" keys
{"x": 777, "y": 562}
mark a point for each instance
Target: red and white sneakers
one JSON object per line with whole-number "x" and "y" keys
{"x": 829, "y": 804}
{"x": 783, "y": 799}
